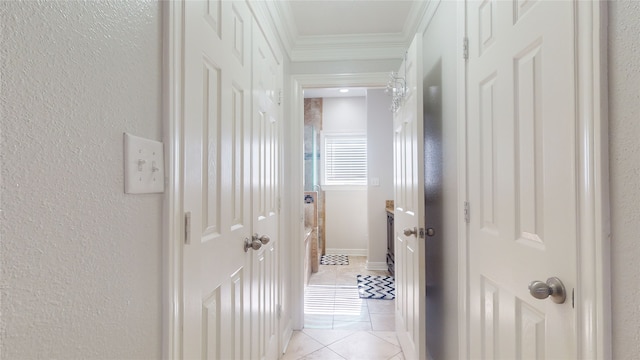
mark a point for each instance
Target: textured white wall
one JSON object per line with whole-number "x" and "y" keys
{"x": 380, "y": 166}
{"x": 81, "y": 261}
{"x": 624, "y": 143}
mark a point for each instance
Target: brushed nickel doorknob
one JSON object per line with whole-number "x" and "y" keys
{"x": 264, "y": 239}
{"x": 409, "y": 231}
{"x": 553, "y": 287}
{"x": 251, "y": 244}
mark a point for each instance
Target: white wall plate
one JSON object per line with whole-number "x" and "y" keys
{"x": 143, "y": 165}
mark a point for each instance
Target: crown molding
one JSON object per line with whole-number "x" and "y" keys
{"x": 343, "y": 47}
{"x": 427, "y": 15}
{"x": 364, "y": 39}
{"x": 418, "y": 10}
{"x": 264, "y": 18}
{"x": 347, "y": 52}
{"x": 376, "y": 79}
{"x": 281, "y": 19}
{"x": 349, "y": 47}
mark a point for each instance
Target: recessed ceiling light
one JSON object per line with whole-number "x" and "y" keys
{"x": 344, "y": 90}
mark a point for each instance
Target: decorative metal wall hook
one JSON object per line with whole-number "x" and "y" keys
{"x": 397, "y": 89}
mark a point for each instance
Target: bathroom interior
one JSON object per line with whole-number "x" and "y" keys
{"x": 351, "y": 218}
{"x": 358, "y": 220}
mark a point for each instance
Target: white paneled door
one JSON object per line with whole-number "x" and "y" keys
{"x": 265, "y": 160}
{"x": 409, "y": 210}
{"x": 522, "y": 171}
{"x": 229, "y": 292}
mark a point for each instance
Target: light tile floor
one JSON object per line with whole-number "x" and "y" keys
{"x": 340, "y": 325}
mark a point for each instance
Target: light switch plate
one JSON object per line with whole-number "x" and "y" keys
{"x": 143, "y": 165}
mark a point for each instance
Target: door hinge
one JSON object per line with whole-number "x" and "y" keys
{"x": 187, "y": 227}
{"x": 467, "y": 212}
{"x": 279, "y": 97}
{"x": 573, "y": 298}
{"x": 465, "y": 48}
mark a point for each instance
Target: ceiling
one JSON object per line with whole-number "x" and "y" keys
{"x": 327, "y": 30}
{"x": 348, "y": 17}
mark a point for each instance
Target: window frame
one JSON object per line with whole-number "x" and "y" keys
{"x": 350, "y": 184}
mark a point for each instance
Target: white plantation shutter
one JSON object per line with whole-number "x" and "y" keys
{"x": 345, "y": 159}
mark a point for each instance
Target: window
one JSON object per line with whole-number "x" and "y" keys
{"x": 345, "y": 159}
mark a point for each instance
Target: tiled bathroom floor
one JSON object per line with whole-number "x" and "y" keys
{"x": 340, "y": 325}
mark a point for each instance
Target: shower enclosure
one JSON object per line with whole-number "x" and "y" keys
{"x": 312, "y": 127}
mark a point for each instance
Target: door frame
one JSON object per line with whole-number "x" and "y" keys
{"x": 463, "y": 192}
{"x": 173, "y": 224}
{"x": 296, "y": 165}
{"x": 593, "y": 300}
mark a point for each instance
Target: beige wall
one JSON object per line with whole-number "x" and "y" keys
{"x": 345, "y": 209}
{"x": 379, "y": 166}
{"x": 81, "y": 261}
{"x": 624, "y": 144}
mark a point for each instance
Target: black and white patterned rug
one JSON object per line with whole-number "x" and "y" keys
{"x": 331, "y": 259}
{"x": 376, "y": 287}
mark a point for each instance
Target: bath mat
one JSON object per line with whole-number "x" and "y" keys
{"x": 376, "y": 287}
{"x": 331, "y": 259}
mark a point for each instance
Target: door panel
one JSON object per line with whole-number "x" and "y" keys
{"x": 266, "y": 118}
{"x": 217, "y": 90}
{"x": 409, "y": 210}
{"x": 522, "y": 177}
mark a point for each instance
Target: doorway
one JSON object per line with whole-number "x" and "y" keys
{"x": 348, "y": 304}
{"x": 345, "y": 176}
{"x": 298, "y": 84}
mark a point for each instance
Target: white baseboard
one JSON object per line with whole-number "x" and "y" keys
{"x": 352, "y": 252}
{"x": 376, "y": 265}
{"x": 286, "y": 336}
